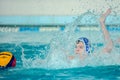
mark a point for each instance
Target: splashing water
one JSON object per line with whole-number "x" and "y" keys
{"x": 62, "y": 44}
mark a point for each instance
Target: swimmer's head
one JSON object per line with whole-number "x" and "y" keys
{"x": 82, "y": 45}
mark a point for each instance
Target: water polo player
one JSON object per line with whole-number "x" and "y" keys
{"x": 83, "y": 47}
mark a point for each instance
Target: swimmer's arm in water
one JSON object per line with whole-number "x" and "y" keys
{"x": 118, "y": 40}
{"x": 71, "y": 57}
{"x": 68, "y": 56}
{"x": 109, "y": 44}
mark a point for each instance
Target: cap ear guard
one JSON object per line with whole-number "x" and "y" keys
{"x": 86, "y": 43}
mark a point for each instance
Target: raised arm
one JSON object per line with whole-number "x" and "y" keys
{"x": 109, "y": 43}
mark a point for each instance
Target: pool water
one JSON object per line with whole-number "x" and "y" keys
{"x": 111, "y": 72}
{"x": 29, "y": 51}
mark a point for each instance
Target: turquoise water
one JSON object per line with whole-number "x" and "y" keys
{"x": 82, "y": 73}
{"x": 109, "y": 72}
{"x": 30, "y": 48}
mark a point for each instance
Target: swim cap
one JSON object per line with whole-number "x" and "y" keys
{"x": 85, "y": 42}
